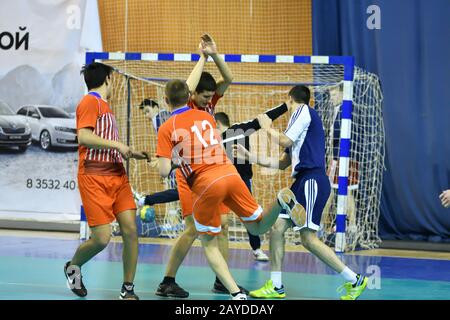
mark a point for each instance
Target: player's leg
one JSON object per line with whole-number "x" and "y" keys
{"x": 181, "y": 247}
{"x": 98, "y": 205}
{"x": 100, "y": 236}
{"x": 274, "y": 288}
{"x": 210, "y": 191}
{"x": 127, "y": 223}
{"x": 268, "y": 218}
{"x": 168, "y": 287}
{"x": 169, "y": 195}
{"x": 223, "y": 243}
{"x": 255, "y": 241}
{"x": 312, "y": 192}
{"x": 218, "y": 263}
{"x": 255, "y": 244}
{"x": 239, "y": 199}
{"x": 356, "y": 283}
{"x": 125, "y": 210}
{"x": 222, "y": 238}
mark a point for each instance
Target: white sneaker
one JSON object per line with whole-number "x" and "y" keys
{"x": 295, "y": 210}
{"x": 260, "y": 255}
{"x": 239, "y": 296}
{"x": 138, "y": 198}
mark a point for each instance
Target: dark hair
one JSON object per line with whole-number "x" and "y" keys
{"x": 223, "y": 118}
{"x": 300, "y": 94}
{"x": 177, "y": 92}
{"x": 206, "y": 83}
{"x": 95, "y": 74}
{"x": 148, "y": 102}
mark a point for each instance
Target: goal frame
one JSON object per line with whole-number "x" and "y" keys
{"x": 348, "y": 63}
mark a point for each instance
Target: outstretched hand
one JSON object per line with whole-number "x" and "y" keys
{"x": 140, "y": 155}
{"x": 239, "y": 152}
{"x": 124, "y": 150}
{"x": 264, "y": 121}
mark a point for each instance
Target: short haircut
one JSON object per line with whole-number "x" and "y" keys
{"x": 148, "y": 102}
{"x": 177, "y": 92}
{"x": 95, "y": 74}
{"x": 300, "y": 94}
{"x": 223, "y": 118}
{"x": 206, "y": 83}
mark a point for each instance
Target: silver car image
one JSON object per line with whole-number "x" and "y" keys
{"x": 14, "y": 131}
{"x": 51, "y": 126}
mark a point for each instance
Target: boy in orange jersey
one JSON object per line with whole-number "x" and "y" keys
{"x": 190, "y": 140}
{"x": 103, "y": 183}
{"x": 206, "y": 92}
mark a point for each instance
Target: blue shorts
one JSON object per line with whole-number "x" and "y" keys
{"x": 312, "y": 190}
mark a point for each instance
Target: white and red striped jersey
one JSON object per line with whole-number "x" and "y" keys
{"x": 94, "y": 112}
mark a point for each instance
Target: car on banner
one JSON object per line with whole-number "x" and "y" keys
{"x": 14, "y": 131}
{"x": 50, "y": 126}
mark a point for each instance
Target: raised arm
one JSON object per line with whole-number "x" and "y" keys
{"x": 227, "y": 77}
{"x": 196, "y": 73}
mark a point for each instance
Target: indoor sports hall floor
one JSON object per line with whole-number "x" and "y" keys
{"x": 31, "y": 267}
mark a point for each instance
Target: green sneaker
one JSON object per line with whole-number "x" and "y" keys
{"x": 353, "y": 291}
{"x": 268, "y": 291}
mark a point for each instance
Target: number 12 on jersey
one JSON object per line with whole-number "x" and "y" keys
{"x": 212, "y": 140}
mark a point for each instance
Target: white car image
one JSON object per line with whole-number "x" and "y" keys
{"x": 51, "y": 126}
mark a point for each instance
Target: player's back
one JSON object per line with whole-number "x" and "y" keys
{"x": 195, "y": 143}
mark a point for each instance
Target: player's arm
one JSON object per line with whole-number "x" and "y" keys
{"x": 273, "y": 114}
{"x": 164, "y": 148}
{"x": 196, "y": 73}
{"x": 281, "y": 138}
{"x": 281, "y": 163}
{"x": 87, "y": 138}
{"x": 227, "y": 77}
{"x": 164, "y": 166}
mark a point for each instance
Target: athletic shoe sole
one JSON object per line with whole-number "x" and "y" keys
{"x": 293, "y": 208}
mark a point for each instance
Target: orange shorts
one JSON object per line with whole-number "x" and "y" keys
{"x": 185, "y": 194}
{"x": 104, "y": 197}
{"x": 221, "y": 185}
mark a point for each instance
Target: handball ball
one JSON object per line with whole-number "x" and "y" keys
{"x": 147, "y": 214}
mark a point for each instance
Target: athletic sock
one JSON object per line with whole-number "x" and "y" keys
{"x": 168, "y": 280}
{"x": 128, "y": 286}
{"x": 236, "y": 293}
{"x": 275, "y": 276}
{"x": 349, "y": 275}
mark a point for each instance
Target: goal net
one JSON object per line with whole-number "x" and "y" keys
{"x": 260, "y": 83}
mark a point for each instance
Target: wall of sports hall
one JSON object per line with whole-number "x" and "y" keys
{"x": 403, "y": 42}
{"x": 409, "y": 52}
